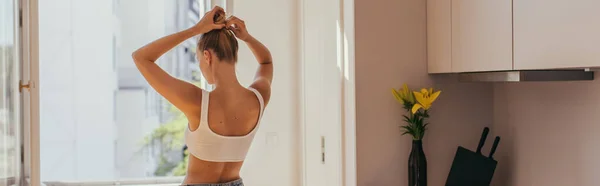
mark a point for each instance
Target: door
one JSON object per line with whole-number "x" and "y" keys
{"x": 553, "y": 34}
{"x": 481, "y": 35}
{"x": 10, "y": 125}
{"x": 322, "y": 74}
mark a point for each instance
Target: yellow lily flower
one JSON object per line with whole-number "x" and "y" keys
{"x": 397, "y": 96}
{"x": 403, "y": 95}
{"x": 425, "y": 98}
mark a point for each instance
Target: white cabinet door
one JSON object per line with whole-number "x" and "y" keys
{"x": 439, "y": 36}
{"x": 553, "y": 34}
{"x": 481, "y": 35}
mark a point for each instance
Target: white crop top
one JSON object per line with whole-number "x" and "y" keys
{"x": 205, "y": 144}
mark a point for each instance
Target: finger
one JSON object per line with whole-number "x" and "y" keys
{"x": 236, "y": 31}
{"x": 241, "y": 22}
{"x": 232, "y": 22}
{"x": 238, "y": 23}
{"x": 215, "y": 10}
{"x": 230, "y": 25}
{"x": 229, "y": 19}
{"x": 218, "y": 9}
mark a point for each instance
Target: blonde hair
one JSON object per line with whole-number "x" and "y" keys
{"x": 221, "y": 41}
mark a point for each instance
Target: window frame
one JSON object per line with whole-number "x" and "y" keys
{"x": 31, "y": 53}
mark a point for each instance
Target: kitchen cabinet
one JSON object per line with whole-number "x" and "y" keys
{"x": 481, "y": 35}
{"x": 551, "y": 34}
{"x": 439, "y": 36}
{"x": 469, "y": 35}
{"x": 500, "y": 35}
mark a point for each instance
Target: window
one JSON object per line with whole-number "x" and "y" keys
{"x": 115, "y": 5}
{"x": 92, "y": 129}
{"x": 114, "y": 52}
{"x": 115, "y": 94}
{"x": 9, "y": 99}
{"x": 115, "y": 153}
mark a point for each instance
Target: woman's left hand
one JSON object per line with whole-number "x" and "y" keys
{"x": 207, "y": 23}
{"x": 238, "y": 27}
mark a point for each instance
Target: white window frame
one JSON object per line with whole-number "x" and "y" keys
{"x": 30, "y": 56}
{"x": 30, "y": 43}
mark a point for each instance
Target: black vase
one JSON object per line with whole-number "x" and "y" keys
{"x": 417, "y": 165}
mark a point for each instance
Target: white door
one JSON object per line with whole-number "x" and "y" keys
{"x": 10, "y": 125}
{"x": 322, "y": 85}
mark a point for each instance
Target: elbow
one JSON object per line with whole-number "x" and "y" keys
{"x": 141, "y": 57}
{"x": 136, "y": 56}
{"x": 269, "y": 56}
{"x": 266, "y": 62}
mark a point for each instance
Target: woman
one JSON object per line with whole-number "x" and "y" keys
{"x": 219, "y": 134}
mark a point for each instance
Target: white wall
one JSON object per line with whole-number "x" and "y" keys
{"x": 275, "y": 23}
{"x": 76, "y": 84}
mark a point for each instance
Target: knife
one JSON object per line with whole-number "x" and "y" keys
{"x": 482, "y": 140}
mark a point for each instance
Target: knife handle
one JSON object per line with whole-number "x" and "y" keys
{"x": 482, "y": 140}
{"x": 496, "y": 141}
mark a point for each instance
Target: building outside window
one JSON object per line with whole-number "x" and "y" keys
{"x": 100, "y": 119}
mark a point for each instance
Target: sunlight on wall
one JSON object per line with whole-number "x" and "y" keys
{"x": 339, "y": 49}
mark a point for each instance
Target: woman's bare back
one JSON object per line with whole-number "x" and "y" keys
{"x": 228, "y": 116}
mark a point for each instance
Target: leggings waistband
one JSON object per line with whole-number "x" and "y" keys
{"x": 231, "y": 183}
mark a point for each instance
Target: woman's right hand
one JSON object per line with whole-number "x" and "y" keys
{"x": 238, "y": 27}
{"x": 207, "y": 23}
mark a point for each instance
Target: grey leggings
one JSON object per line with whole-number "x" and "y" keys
{"x": 232, "y": 183}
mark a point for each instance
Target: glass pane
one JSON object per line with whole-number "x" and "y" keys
{"x": 9, "y": 96}
{"x": 99, "y": 119}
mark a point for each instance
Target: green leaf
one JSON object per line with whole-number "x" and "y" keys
{"x": 408, "y": 105}
{"x": 408, "y": 130}
{"x": 405, "y": 132}
{"x": 426, "y": 114}
{"x": 406, "y": 119}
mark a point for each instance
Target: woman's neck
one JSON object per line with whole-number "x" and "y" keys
{"x": 226, "y": 79}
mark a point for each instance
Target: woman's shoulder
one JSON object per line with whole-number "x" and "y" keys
{"x": 263, "y": 89}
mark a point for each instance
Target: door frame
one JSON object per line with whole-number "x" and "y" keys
{"x": 349, "y": 169}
